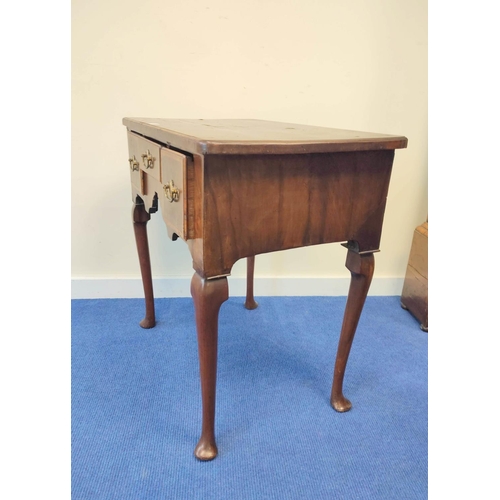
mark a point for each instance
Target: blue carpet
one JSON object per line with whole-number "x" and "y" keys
{"x": 136, "y": 405}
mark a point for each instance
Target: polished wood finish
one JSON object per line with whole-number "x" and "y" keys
{"x": 207, "y": 137}
{"x": 147, "y": 154}
{"x": 251, "y": 187}
{"x": 250, "y": 301}
{"x": 174, "y": 170}
{"x": 208, "y": 296}
{"x": 361, "y": 267}
{"x": 265, "y": 203}
{"x": 140, "y": 218}
{"x": 136, "y": 174}
{"x": 414, "y": 296}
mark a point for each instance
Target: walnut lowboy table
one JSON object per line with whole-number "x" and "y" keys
{"x": 238, "y": 188}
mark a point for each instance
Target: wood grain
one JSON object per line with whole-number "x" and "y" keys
{"x": 414, "y": 296}
{"x": 361, "y": 267}
{"x": 252, "y": 187}
{"x": 263, "y": 203}
{"x": 139, "y": 146}
{"x": 208, "y": 296}
{"x": 140, "y": 219}
{"x": 250, "y": 302}
{"x": 174, "y": 169}
{"x": 258, "y": 136}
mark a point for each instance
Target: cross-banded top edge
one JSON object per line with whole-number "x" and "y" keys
{"x": 245, "y": 136}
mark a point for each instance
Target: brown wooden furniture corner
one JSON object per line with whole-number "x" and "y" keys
{"x": 415, "y": 295}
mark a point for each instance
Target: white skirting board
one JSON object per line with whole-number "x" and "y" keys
{"x": 121, "y": 288}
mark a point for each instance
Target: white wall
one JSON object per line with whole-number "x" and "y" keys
{"x": 358, "y": 65}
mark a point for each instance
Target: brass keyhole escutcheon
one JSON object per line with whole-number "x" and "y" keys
{"x": 171, "y": 192}
{"x": 134, "y": 164}
{"x": 148, "y": 160}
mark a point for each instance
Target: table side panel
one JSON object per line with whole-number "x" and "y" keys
{"x": 263, "y": 203}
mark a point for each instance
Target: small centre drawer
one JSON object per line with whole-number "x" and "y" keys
{"x": 174, "y": 183}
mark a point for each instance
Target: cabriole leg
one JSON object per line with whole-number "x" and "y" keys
{"x": 208, "y": 296}
{"x": 361, "y": 267}
{"x": 250, "y": 301}
{"x": 141, "y": 217}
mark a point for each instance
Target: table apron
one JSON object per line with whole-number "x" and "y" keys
{"x": 255, "y": 204}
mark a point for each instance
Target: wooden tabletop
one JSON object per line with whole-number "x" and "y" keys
{"x": 228, "y": 136}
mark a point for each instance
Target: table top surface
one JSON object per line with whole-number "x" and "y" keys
{"x": 245, "y": 136}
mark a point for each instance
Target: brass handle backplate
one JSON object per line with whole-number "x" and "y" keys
{"x": 171, "y": 192}
{"x": 148, "y": 160}
{"x": 134, "y": 164}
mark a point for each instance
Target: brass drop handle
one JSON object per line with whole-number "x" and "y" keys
{"x": 147, "y": 160}
{"x": 171, "y": 192}
{"x": 134, "y": 164}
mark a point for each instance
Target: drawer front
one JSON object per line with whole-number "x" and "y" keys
{"x": 174, "y": 184}
{"x": 134, "y": 160}
{"x": 147, "y": 153}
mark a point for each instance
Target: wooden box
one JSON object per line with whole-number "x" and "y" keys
{"x": 414, "y": 297}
